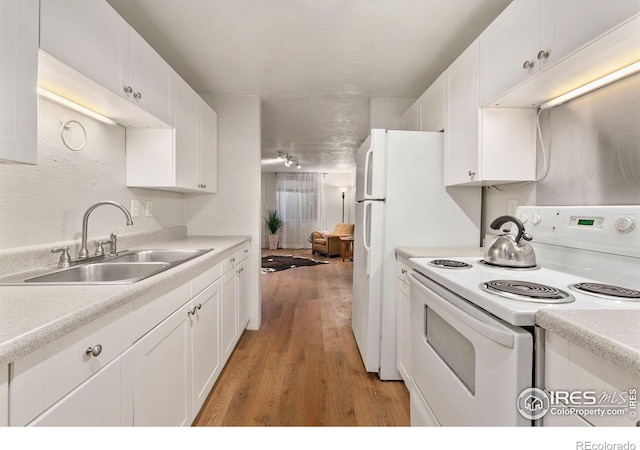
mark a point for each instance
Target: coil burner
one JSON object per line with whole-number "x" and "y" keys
{"x": 527, "y": 291}
{"x": 449, "y": 264}
{"x": 607, "y": 291}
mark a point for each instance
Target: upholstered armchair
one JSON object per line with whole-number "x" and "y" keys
{"x": 329, "y": 244}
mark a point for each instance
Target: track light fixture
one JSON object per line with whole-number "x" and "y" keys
{"x": 288, "y": 161}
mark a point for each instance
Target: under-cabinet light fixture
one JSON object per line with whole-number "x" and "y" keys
{"x": 71, "y": 105}
{"x": 596, "y": 84}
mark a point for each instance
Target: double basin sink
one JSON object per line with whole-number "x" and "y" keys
{"x": 124, "y": 268}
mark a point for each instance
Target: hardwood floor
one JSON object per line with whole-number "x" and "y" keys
{"x": 302, "y": 367}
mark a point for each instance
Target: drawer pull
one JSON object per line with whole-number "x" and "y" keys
{"x": 404, "y": 271}
{"x": 95, "y": 350}
{"x": 199, "y": 306}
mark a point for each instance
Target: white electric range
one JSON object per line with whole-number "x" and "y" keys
{"x": 472, "y": 323}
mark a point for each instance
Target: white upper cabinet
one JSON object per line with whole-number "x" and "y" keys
{"x": 102, "y": 54}
{"x": 187, "y": 101}
{"x": 151, "y": 81}
{"x": 462, "y": 118}
{"x": 483, "y": 146}
{"x": 89, "y": 36}
{"x": 432, "y": 106}
{"x": 18, "y": 80}
{"x": 207, "y": 148}
{"x": 568, "y": 25}
{"x": 508, "y": 49}
{"x": 426, "y": 113}
{"x": 532, "y": 36}
{"x": 183, "y": 159}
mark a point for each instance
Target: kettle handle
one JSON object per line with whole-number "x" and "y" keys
{"x": 497, "y": 223}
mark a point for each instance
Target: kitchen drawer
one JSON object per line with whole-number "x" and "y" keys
{"x": 573, "y": 368}
{"x": 243, "y": 253}
{"x": 234, "y": 259}
{"x": 402, "y": 267}
{"x": 199, "y": 283}
{"x": 41, "y": 378}
{"x": 150, "y": 310}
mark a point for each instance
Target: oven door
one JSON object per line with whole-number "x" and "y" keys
{"x": 469, "y": 366}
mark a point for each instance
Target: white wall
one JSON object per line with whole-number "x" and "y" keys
{"x": 44, "y": 203}
{"x": 235, "y": 208}
{"x": 385, "y": 112}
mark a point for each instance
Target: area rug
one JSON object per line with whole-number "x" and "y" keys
{"x": 273, "y": 263}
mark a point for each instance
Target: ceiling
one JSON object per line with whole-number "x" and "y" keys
{"x": 314, "y": 63}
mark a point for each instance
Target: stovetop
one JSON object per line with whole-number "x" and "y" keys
{"x": 468, "y": 284}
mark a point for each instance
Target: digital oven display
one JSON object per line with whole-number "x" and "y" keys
{"x": 592, "y": 223}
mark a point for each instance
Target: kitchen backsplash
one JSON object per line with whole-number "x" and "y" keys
{"x": 44, "y": 203}
{"x": 594, "y": 144}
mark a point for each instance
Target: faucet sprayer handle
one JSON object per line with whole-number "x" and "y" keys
{"x": 65, "y": 259}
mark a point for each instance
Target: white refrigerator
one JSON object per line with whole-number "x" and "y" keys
{"x": 401, "y": 201}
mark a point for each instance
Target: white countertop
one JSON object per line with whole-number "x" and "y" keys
{"x": 31, "y": 316}
{"x": 443, "y": 252}
{"x": 612, "y": 334}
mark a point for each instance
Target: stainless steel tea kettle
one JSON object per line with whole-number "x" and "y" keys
{"x": 509, "y": 250}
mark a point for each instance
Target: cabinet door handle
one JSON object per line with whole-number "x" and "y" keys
{"x": 404, "y": 271}
{"x": 199, "y": 306}
{"x": 137, "y": 95}
{"x": 94, "y": 351}
{"x": 543, "y": 54}
{"x": 527, "y": 65}
{"x": 471, "y": 173}
{"x": 191, "y": 312}
{"x": 128, "y": 89}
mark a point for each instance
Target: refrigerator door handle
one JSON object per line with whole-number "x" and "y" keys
{"x": 367, "y": 162}
{"x": 367, "y": 248}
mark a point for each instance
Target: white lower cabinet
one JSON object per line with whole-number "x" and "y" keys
{"x": 4, "y": 396}
{"x": 154, "y": 361}
{"x": 403, "y": 318}
{"x": 229, "y": 313}
{"x": 105, "y": 399}
{"x": 206, "y": 344}
{"x": 242, "y": 274}
{"x": 160, "y": 363}
{"x": 602, "y": 393}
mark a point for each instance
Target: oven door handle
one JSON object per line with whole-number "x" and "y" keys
{"x": 474, "y": 318}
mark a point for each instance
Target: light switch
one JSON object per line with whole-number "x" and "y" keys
{"x": 147, "y": 208}
{"x": 135, "y": 205}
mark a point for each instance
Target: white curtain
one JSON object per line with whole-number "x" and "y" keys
{"x": 300, "y": 202}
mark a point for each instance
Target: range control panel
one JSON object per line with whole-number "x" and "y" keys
{"x": 600, "y": 228}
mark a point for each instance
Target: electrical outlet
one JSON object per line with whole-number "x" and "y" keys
{"x": 513, "y": 205}
{"x": 135, "y": 205}
{"x": 148, "y": 208}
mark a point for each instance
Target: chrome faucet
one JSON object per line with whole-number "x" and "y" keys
{"x": 84, "y": 253}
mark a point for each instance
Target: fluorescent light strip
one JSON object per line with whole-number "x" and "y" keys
{"x": 79, "y": 108}
{"x": 600, "y": 82}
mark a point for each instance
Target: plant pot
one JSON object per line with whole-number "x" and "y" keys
{"x": 273, "y": 241}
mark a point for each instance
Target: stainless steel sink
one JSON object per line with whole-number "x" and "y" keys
{"x": 168, "y": 256}
{"x": 103, "y": 273}
{"x": 124, "y": 268}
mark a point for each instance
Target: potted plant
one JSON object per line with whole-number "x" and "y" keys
{"x": 274, "y": 222}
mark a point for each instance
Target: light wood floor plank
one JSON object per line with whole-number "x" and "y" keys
{"x": 302, "y": 368}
